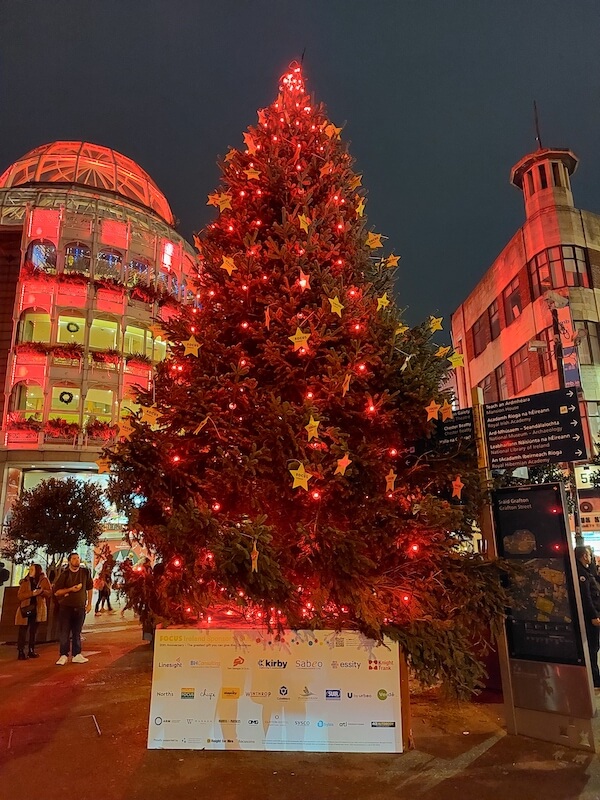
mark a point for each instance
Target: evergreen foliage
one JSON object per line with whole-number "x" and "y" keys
{"x": 378, "y": 546}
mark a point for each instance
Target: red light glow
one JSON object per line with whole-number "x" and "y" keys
{"x": 216, "y": 507}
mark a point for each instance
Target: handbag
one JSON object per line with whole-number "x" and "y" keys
{"x": 30, "y": 611}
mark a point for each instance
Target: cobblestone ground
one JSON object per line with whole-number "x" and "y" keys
{"x": 80, "y": 732}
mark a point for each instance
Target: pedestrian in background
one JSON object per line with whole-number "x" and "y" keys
{"x": 34, "y": 590}
{"x": 73, "y": 590}
{"x": 590, "y": 600}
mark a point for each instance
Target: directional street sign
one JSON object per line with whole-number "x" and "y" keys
{"x": 538, "y": 429}
{"x": 458, "y": 429}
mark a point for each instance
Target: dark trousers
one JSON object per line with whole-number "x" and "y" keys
{"x": 593, "y": 639}
{"x": 70, "y": 623}
{"x": 103, "y": 594}
{"x": 21, "y": 636}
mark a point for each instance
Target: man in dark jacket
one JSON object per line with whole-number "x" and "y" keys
{"x": 590, "y": 600}
{"x": 73, "y": 590}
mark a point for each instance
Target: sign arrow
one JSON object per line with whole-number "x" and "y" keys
{"x": 578, "y": 452}
{"x": 570, "y": 393}
{"x": 576, "y": 437}
{"x": 571, "y": 408}
{"x": 574, "y": 422}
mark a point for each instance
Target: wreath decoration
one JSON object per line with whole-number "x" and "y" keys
{"x": 72, "y": 327}
{"x": 66, "y": 397}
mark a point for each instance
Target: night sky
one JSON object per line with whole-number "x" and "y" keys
{"x": 436, "y": 98}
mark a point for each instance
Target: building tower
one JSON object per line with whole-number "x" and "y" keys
{"x": 90, "y": 264}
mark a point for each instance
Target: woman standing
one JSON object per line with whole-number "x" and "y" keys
{"x": 33, "y": 592}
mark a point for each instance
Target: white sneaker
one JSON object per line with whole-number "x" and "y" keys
{"x": 79, "y": 659}
{"x": 62, "y": 661}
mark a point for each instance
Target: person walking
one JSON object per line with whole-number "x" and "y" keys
{"x": 34, "y": 590}
{"x": 590, "y": 600}
{"x": 73, "y": 590}
{"x": 104, "y": 586}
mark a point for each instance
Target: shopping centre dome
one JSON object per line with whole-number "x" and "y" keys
{"x": 88, "y": 165}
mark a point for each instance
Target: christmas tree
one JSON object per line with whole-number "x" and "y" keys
{"x": 283, "y": 468}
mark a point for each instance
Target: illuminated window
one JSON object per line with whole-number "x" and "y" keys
{"x": 134, "y": 340}
{"x": 519, "y": 363}
{"x": 78, "y": 258}
{"x": 494, "y": 318}
{"x": 479, "y": 342}
{"x": 163, "y": 279}
{"x": 159, "y": 350}
{"x": 556, "y": 267}
{"x": 98, "y": 406}
{"x": 500, "y": 373}
{"x": 70, "y": 329}
{"x": 167, "y": 255}
{"x": 512, "y": 301}
{"x": 108, "y": 264}
{"x": 104, "y": 334}
{"x": 65, "y": 403}
{"x": 490, "y": 388}
{"x": 547, "y": 355}
{"x": 138, "y": 271}
{"x": 34, "y": 326}
{"x": 28, "y": 400}
{"x": 588, "y": 348}
{"x": 42, "y": 254}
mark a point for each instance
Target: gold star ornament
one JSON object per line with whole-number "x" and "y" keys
{"x": 432, "y": 410}
{"x": 390, "y": 481}
{"x": 336, "y": 306}
{"x": 150, "y": 414}
{"x": 392, "y": 261}
{"x": 442, "y": 352}
{"x": 355, "y": 182}
{"x": 126, "y": 429}
{"x": 374, "y": 240}
{"x": 301, "y": 477}
{"x": 446, "y": 411}
{"x": 304, "y": 222}
{"x": 346, "y": 384}
{"x": 457, "y": 360}
{"x": 383, "y": 301}
{"x": 299, "y": 339}
{"x": 457, "y": 487}
{"x": 224, "y": 201}
{"x": 342, "y": 465}
{"x": 360, "y": 208}
{"x": 103, "y": 465}
{"x": 228, "y": 264}
{"x": 312, "y": 428}
{"x": 191, "y": 346}
{"x": 252, "y": 174}
{"x": 250, "y": 143}
{"x": 435, "y": 324}
{"x": 331, "y": 130}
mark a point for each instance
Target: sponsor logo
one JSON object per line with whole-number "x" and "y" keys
{"x": 230, "y": 693}
{"x": 345, "y": 665}
{"x": 358, "y": 695}
{"x": 272, "y": 663}
{"x": 187, "y": 694}
{"x": 165, "y": 694}
{"x": 205, "y": 664}
{"x": 170, "y": 664}
{"x": 383, "y": 724}
{"x": 194, "y": 721}
{"x": 302, "y": 722}
{"x": 229, "y": 722}
{"x": 381, "y": 665}
{"x": 306, "y": 694}
{"x": 252, "y": 722}
{"x": 161, "y": 721}
{"x": 238, "y": 661}
{"x": 283, "y": 691}
{"x": 322, "y": 724}
{"x": 382, "y": 694}
{"x": 219, "y": 741}
{"x": 206, "y": 693}
{"x": 339, "y": 642}
{"x": 158, "y": 721}
{"x": 258, "y": 694}
{"x": 333, "y": 694}
{"x": 303, "y": 663}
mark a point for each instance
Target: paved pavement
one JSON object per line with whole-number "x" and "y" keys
{"x": 80, "y": 732}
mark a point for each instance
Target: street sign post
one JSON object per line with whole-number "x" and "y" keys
{"x": 538, "y": 429}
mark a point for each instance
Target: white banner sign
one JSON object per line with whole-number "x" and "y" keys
{"x": 321, "y": 691}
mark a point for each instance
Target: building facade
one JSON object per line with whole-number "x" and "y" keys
{"x": 90, "y": 263}
{"x": 544, "y": 286}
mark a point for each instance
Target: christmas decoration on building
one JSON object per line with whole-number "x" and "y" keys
{"x": 292, "y": 343}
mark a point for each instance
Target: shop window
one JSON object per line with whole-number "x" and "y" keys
{"x": 512, "y": 301}
{"x": 78, "y": 258}
{"x": 34, "y": 327}
{"x": 42, "y": 254}
{"x": 494, "y": 318}
{"x": 134, "y": 340}
{"x": 70, "y": 329}
{"x": 108, "y": 264}
{"x": 490, "y": 389}
{"x": 65, "y": 402}
{"x": 138, "y": 271}
{"x": 98, "y": 406}
{"x": 28, "y": 400}
{"x": 159, "y": 350}
{"x": 519, "y": 363}
{"x": 104, "y": 334}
